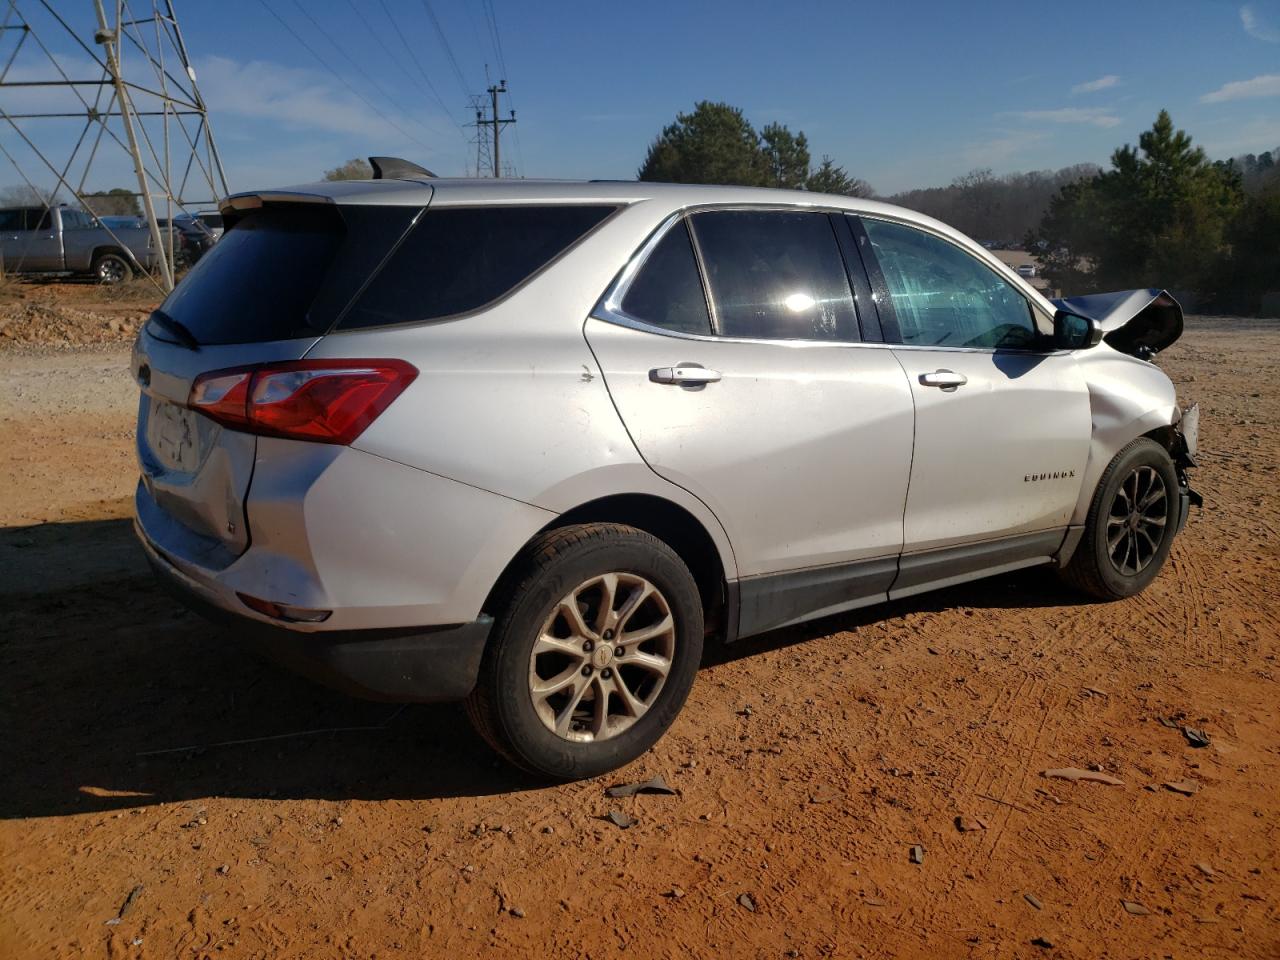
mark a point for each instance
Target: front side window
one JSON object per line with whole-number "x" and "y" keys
{"x": 775, "y": 274}
{"x": 943, "y": 297}
{"x": 458, "y": 259}
{"x": 667, "y": 292}
{"x": 12, "y": 220}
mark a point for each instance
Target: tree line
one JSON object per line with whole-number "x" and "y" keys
{"x": 1162, "y": 214}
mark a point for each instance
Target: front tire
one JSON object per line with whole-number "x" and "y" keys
{"x": 1131, "y": 524}
{"x": 594, "y": 653}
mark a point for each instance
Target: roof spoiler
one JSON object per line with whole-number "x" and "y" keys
{"x": 393, "y": 168}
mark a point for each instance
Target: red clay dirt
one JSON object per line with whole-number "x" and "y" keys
{"x": 217, "y": 806}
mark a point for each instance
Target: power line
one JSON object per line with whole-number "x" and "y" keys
{"x": 399, "y": 31}
{"x": 444, "y": 41}
{"x": 497, "y": 39}
{"x": 359, "y": 69}
{"x": 341, "y": 79}
{"x": 385, "y": 49}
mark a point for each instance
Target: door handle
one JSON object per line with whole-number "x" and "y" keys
{"x": 684, "y": 374}
{"x": 946, "y": 379}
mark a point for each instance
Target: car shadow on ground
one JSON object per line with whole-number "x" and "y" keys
{"x": 112, "y": 695}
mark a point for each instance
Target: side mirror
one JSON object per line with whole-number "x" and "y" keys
{"x": 1071, "y": 331}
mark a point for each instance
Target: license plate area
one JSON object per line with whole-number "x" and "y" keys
{"x": 173, "y": 435}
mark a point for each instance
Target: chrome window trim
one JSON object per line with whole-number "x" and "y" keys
{"x": 609, "y": 307}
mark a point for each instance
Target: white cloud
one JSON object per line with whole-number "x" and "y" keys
{"x": 1257, "y": 25}
{"x": 1093, "y": 86}
{"x": 998, "y": 151}
{"x": 299, "y": 100}
{"x": 1266, "y": 85}
{"x": 1262, "y": 133}
{"x": 1094, "y": 116}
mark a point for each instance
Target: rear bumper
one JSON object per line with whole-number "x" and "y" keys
{"x": 424, "y": 665}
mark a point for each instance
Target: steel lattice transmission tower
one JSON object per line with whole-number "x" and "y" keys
{"x": 126, "y": 92}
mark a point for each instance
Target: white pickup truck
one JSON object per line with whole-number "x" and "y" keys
{"x": 63, "y": 241}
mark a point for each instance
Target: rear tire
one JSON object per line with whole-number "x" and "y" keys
{"x": 111, "y": 268}
{"x": 1131, "y": 524}
{"x": 593, "y": 654}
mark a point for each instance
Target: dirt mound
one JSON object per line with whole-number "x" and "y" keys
{"x": 66, "y": 314}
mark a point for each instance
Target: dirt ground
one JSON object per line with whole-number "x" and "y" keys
{"x": 165, "y": 795}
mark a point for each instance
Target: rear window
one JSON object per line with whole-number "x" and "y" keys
{"x": 459, "y": 259}
{"x": 258, "y": 282}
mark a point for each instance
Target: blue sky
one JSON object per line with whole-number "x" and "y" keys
{"x": 902, "y": 94}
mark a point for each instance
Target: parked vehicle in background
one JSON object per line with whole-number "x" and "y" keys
{"x": 211, "y": 220}
{"x": 1026, "y": 270}
{"x": 193, "y": 238}
{"x": 116, "y": 222}
{"x": 61, "y": 241}
{"x": 526, "y": 443}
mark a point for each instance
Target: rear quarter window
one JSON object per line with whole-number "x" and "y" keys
{"x": 458, "y": 259}
{"x": 258, "y": 283}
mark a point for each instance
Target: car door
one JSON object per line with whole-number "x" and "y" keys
{"x": 754, "y": 393}
{"x": 1002, "y": 419}
{"x": 13, "y": 221}
{"x": 39, "y": 247}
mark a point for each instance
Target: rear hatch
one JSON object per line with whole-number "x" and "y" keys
{"x": 276, "y": 282}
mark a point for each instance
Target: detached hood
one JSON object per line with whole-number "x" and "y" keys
{"x": 1131, "y": 319}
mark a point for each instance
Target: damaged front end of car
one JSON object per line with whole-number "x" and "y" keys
{"x": 1183, "y": 442}
{"x": 1140, "y": 324}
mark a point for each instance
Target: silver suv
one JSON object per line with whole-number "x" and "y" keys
{"x": 525, "y": 444}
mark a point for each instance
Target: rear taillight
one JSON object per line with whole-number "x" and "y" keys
{"x": 326, "y": 401}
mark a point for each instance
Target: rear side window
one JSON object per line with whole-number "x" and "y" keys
{"x": 775, "y": 274}
{"x": 458, "y": 259}
{"x": 257, "y": 283}
{"x": 667, "y": 292}
{"x": 12, "y": 220}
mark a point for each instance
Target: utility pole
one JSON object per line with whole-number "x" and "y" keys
{"x": 495, "y": 124}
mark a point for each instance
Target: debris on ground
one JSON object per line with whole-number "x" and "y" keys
{"x": 1195, "y": 737}
{"x": 1185, "y": 787}
{"x": 873, "y": 901}
{"x": 1043, "y": 942}
{"x": 675, "y": 893}
{"x": 654, "y": 785}
{"x": 517, "y": 913}
{"x": 746, "y": 901}
{"x": 823, "y": 793}
{"x": 619, "y": 819}
{"x": 1207, "y": 870}
{"x": 1075, "y": 773}
{"x": 124, "y": 907}
{"x": 968, "y": 825}
{"x": 1135, "y": 908}
{"x": 1033, "y": 900}
{"x": 917, "y": 854}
